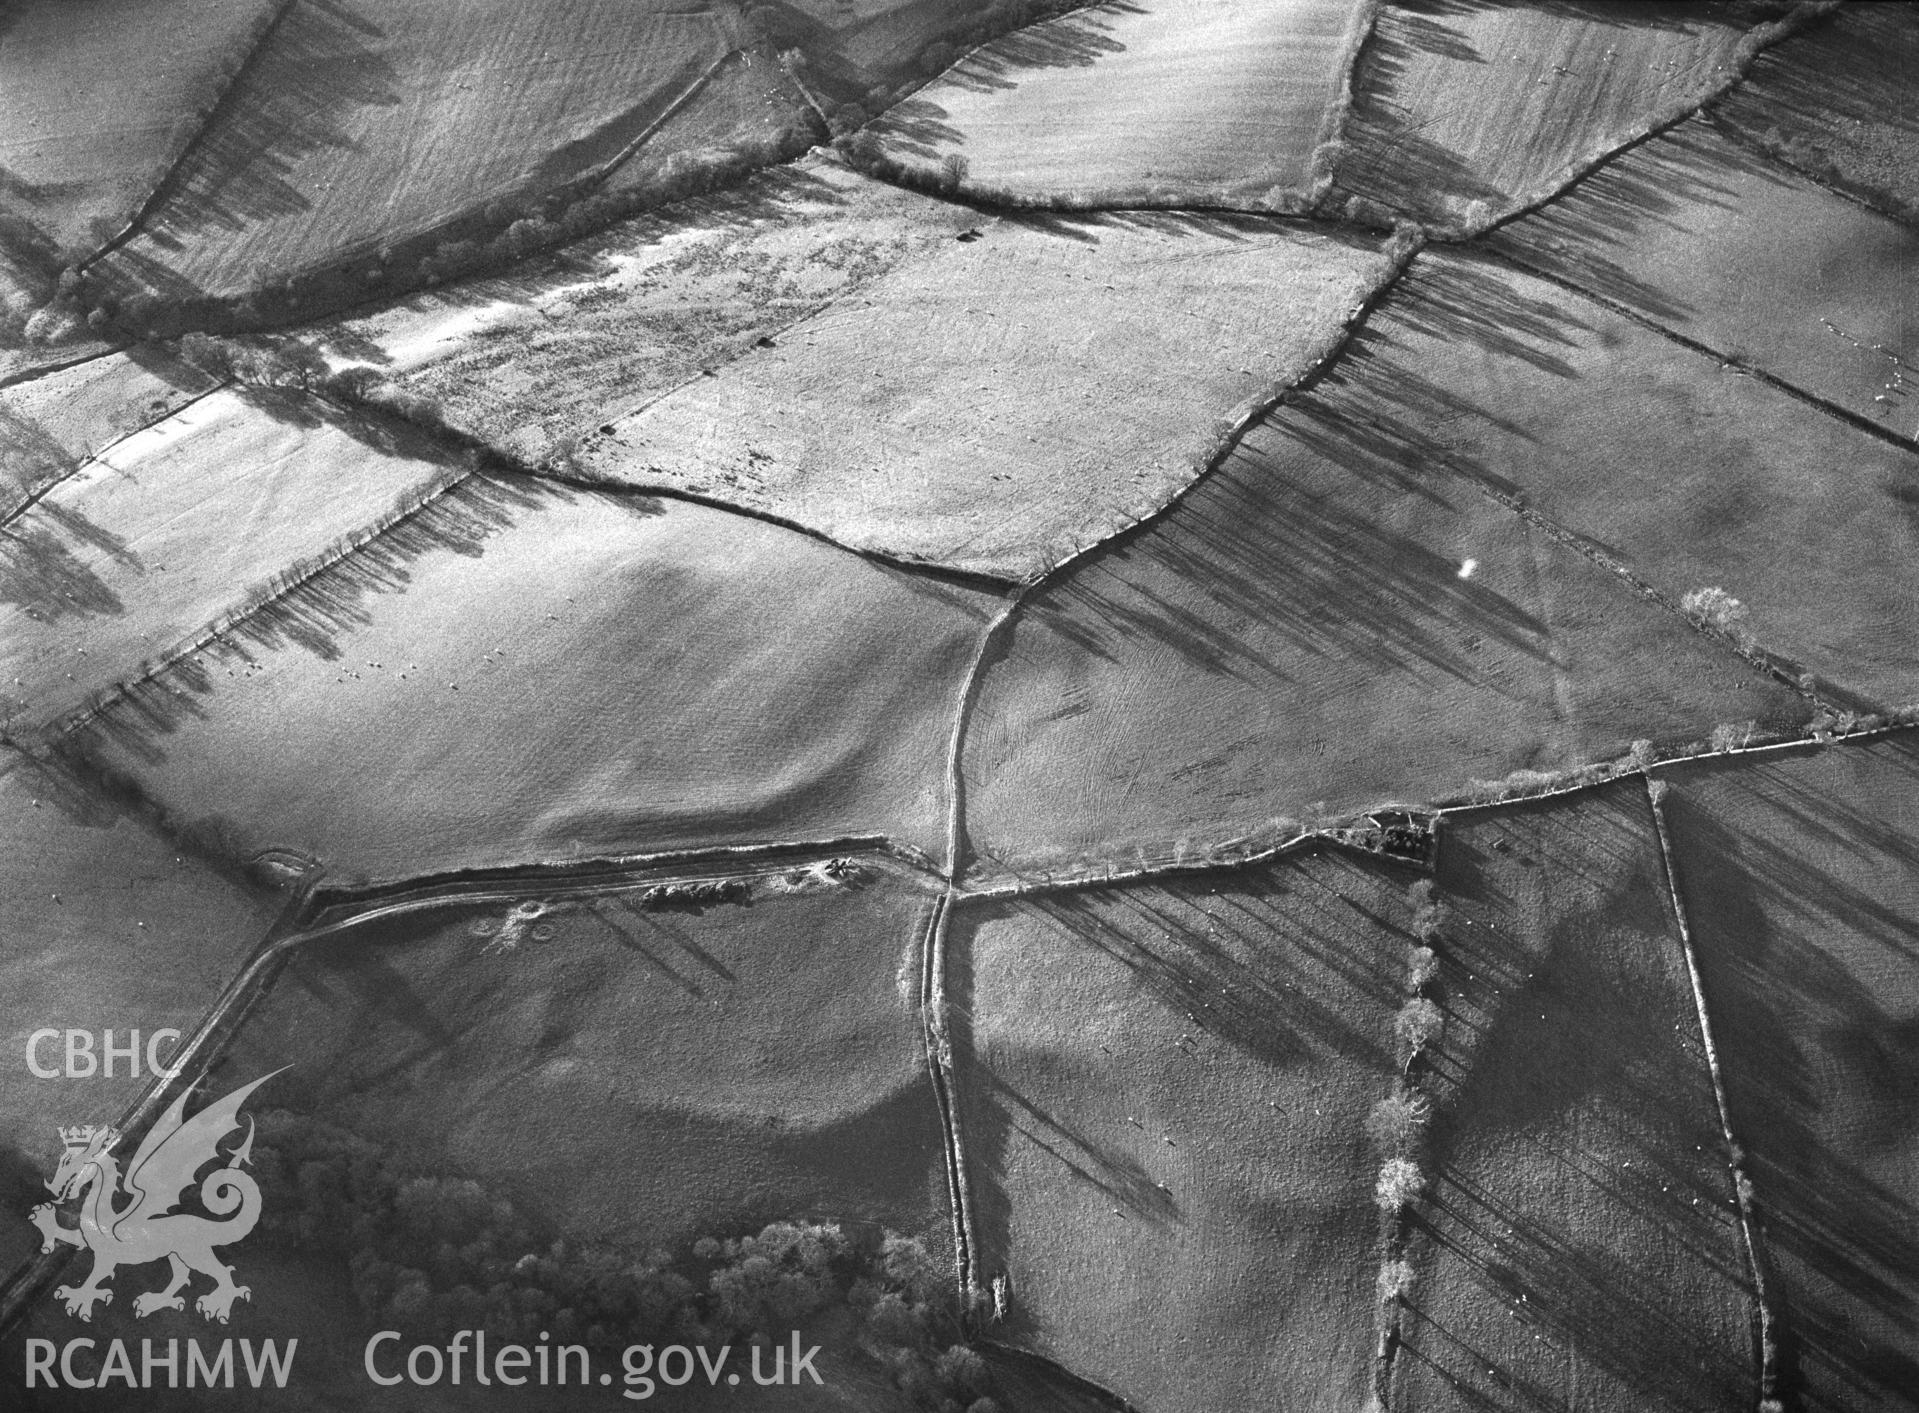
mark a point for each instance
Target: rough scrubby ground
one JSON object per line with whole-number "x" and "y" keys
{"x": 996, "y": 403}
{"x": 536, "y": 361}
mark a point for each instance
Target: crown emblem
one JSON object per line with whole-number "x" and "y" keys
{"x": 84, "y": 1136}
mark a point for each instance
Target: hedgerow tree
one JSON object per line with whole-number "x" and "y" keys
{"x": 1715, "y": 608}
{"x": 1399, "y": 1185}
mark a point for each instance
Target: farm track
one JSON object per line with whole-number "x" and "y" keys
{"x": 306, "y": 919}
{"x": 934, "y": 1018}
{"x": 47, "y": 370}
{"x": 933, "y": 995}
{"x": 692, "y": 91}
{"x": 937, "y": 1036}
{"x": 32, "y": 499}
{"x": 1758, "y": 1264}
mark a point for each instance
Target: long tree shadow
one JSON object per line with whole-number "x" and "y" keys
{"x": 922, "y": 127}
{"x": 1383, "y": 152}
{"x": 1280, "y": 558}
{"x": 317, "y": 610}
{"x": 45, "y": 569}
{"x": 1844, "y": 80}
{"x": 1286, "y": 963}
{"x": 1581, "y": 1199}
{"x": 1679, "y": 181}
{"x": 1820, "y": 1049}
{"x": 1387, "y": 151}
{"x": 57, "y": 561}
{"x": 1072, "y": 41}
{"x": 323, "y": 61}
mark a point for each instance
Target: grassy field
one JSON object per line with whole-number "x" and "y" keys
{"x": 50, "y": 426}
{"x": 1838, "y": 101}
{"x": 1176, "y": 103}
{"x": 102, "y": 925}
{"x": 647, "y": 676}
{"x": 641, "y": 1075}
{"x": 536, "y": 362}
{"x": 96, "y": 101}
{"x": 1802, "y": 283}
{"x": 1465, "y": 110}
{"x": 1801, "y": 879}
{"x": 1688, "y": 472}
{"x": 1000, "y": 401}
{"x": 1329, "y": 622}
{"x": 1579, "y": 1245}
{"x": 179, "y": 525}
{"x": 359, "y": 126}
{"x": 1163, "y": 1094}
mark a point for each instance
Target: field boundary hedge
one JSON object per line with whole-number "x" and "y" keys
{"x": 1758, "y": 1260}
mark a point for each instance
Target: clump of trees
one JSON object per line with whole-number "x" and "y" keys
{"x": 432, "y": 1254}
{"x": 696, "y": 895}
{"x": 1718, "y": 610}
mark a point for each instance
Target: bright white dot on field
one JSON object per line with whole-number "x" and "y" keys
{"x": 1466, "y": 568}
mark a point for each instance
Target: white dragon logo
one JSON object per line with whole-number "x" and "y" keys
{"x": 146, "y": 1228}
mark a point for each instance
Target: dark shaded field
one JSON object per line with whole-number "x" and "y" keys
{"x": 1664, "y": 461}
{"x": 1804, "y": 284}
{"x": 102, "y": 925}
{"x": 1163, "y": 1090}
{"x": 1580, "y": 1245}
{"x": 1801, "y": 879}
{"x": 1839, "y": 102}
{"x": 644, "y": 1076}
